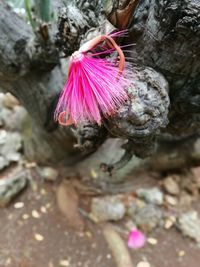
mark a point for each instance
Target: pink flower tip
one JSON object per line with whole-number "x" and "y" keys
{"x": 136, "y": 239}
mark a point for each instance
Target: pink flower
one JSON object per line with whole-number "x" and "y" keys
{"x": 136, "y": 239}
{"x": 96, "y": 87}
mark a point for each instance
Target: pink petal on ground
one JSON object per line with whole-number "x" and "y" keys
{"x": 136, "y": 239}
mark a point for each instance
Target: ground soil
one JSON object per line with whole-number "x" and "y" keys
{"x": 63, "y": 246}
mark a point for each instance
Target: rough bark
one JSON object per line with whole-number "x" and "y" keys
{"x": 166, "y": 66}
{"x": 29, "y": 69}
{"x": 166, "y": 36}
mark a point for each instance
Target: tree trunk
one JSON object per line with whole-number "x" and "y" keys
{"x": 34, "y": 76}
{"x": 166, "y": 66}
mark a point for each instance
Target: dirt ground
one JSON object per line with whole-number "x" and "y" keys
{"x": 33, "y": 233}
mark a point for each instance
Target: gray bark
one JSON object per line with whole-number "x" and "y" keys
{"x": 166, "y": 67}
{"x": 166, "y": 37}
{"x": 29, "y": 69}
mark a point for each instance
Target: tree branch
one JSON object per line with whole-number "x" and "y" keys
{"x": 166, "y": 36}
{"x": 14, "y": 36}
{"x": 27, "y": 70}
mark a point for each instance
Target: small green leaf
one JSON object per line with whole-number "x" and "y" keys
{"x": 29, "y": 13}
